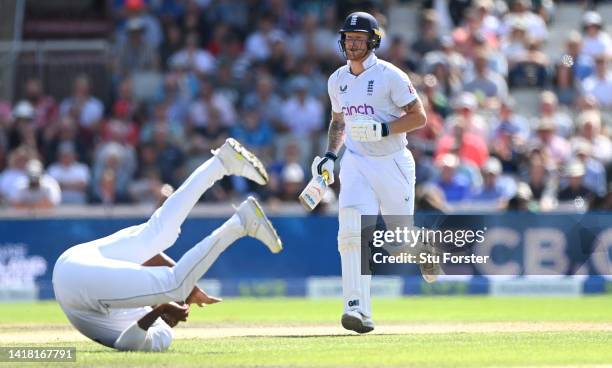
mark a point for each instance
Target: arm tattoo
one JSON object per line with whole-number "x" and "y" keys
{"x": 412, "y": 106}
{"x": 335, "y": 136}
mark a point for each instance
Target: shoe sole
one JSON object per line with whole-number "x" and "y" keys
{"x": 354, "y": 324}
{"x": 260, "y": 213}
{"x": 250, "y": 157}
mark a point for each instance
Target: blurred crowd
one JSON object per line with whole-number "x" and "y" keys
{"x": 187, "y": 74}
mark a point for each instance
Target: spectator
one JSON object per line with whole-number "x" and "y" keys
{"x": 399, "y": 55}
{"x": 198, "y": 60}
{"x": 200, "y": 109}
{"x": 71, "y": 175}
{"x": 120, "y": 160}
{"x": 487, "y": 85}
{"x": 160, "y": 117}
{"x": 428, "y": 38}
{"x": 16, "y": 170}
{"x": 23, "y": 130}
{"x": 596, "y": 41}
{"x": 146, "y": 188}
{"x": 466, "y": 114}
{"x": 455, "y": 187}
{"x": 45, "y": 107}
{"x": 302, "y": 114}
{"x": 541, "y": 181}
{"x": 564, "y": 84}
{"x": 125, "y": 107}
{"x": 530, "y": 70}
{"x": 259, "y": 43}
{"x": 555, "y": 146}
{"x": 589, "y": 128}
{"x": 267, "y": 101}
{"x": 581, "y": 63}
{"x": 170, "y": 157}
{"x": 313, "y": 40}
{"x": 136, "y": 55}
{"x": 549, "y": 108}
{"x": 469, "y": 146}
{"x": 86, "y": 109}
{"x": 173, "y": 43}
{"x": 523, "y": 200}
{"x": 575, "y": 189}
{"x": 290, "y": 157}
{"x": 595, "y": 173}
{"x": 255, "y": 133}
{"x": 37, "y": 190}
{"x": 106, "y": 189}
{"x": 514, "y": 46}
{"x": 292, "y": 182}
{"x": 599, "y": 85}
{"x": 152, "y": 30}
{"x": 520, "y": 11}
{"x": 509, "y": 136}
{"x": 64, "y": 131}
{"x": 495, "y": 189}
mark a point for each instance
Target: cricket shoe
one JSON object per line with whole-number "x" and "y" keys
{"x": 238, "y": 160}
{"x": 257, "y": 225}
{"x": 353, "y": 320}
{"x": 430, "y": 270}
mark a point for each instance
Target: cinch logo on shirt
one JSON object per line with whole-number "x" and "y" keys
{"x": 363, "y": 109}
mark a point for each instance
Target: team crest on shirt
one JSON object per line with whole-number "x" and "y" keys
{"x": 343, "y": 88}
{"x": 370, "y": 87}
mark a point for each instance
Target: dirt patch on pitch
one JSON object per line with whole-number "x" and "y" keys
{"x": 23, "y": 334}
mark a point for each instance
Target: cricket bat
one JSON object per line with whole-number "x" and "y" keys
{"x": 314, "y": 191}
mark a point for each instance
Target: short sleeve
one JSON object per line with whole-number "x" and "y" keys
{"x": 332, "y": 91}
{"x": 402, "y": 90}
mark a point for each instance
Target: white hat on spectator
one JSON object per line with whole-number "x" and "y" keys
{"x": 23, "y": 110}
{"x": 589, "y": 116}
{"x": 34, "y": 169}
{"x": 574, "y": 169}
{"x": 449, "y": 160}
{"x": 492, "y": 166}
{"x": 135, "y": 24}
{"x": 293, "y": 173}
{"x": 466, "y": 100}
{"x": 591, "y": 18}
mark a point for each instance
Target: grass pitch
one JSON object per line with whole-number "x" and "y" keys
{"x": 423, "y": 331}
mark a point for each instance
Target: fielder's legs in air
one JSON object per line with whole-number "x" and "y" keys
{"x": 111, "y": 297}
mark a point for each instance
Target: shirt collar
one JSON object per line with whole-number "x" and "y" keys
{"x": 368, "y": 62}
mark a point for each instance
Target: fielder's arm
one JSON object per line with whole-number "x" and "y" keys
{"x": 149, "y": 334}
{"x": 415, "y": 118}
{"x": 335, "y": 136}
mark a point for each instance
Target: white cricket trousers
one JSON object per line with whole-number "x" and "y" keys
{"x": 107, "y": 272}
{"x": 369, "y": 186}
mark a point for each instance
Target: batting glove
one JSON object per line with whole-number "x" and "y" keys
{"x": 322, "y": 164}
{"x": 368, "y": 131}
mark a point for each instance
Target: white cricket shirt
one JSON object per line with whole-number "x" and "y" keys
{"x": 379, "y": 92}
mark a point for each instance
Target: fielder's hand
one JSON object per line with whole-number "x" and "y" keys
{"x": 367, "y": 131}
{"x": 326, "y": 163}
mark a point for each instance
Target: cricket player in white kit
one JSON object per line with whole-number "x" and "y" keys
{"x": 121, "y": 290}
{"x": 374, "y": 105}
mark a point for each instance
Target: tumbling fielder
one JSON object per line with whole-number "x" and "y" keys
{"x": 124, "y": 292}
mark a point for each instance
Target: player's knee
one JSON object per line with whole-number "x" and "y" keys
{"x": 349, "y": 232}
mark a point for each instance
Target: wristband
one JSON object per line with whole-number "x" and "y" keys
{"x": 385, "y": 129}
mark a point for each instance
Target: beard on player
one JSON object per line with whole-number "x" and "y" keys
{"x": 358, "y": 51}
